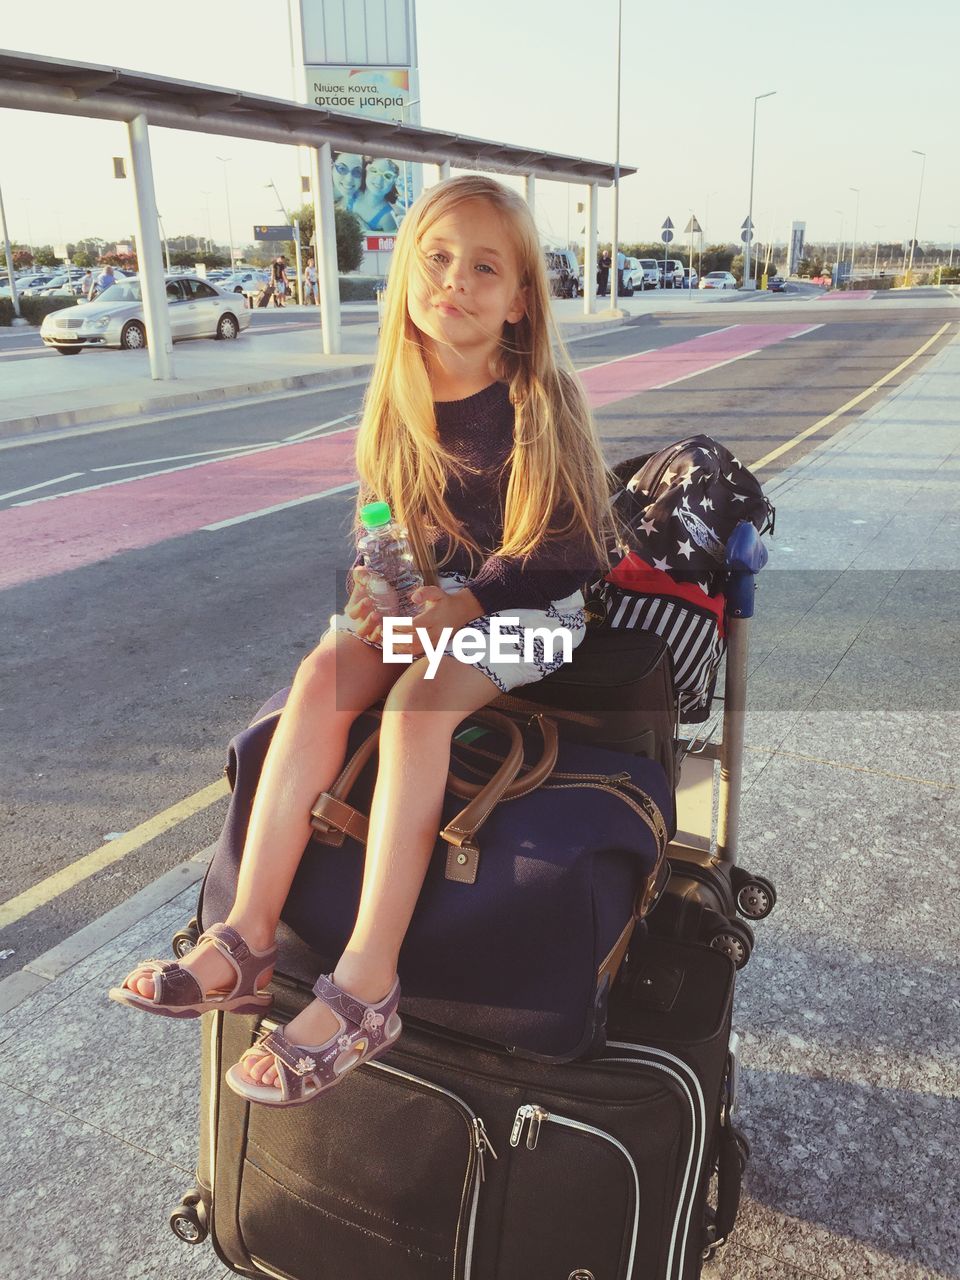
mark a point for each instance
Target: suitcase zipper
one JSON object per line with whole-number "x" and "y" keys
{"x": 480, "y": 1146}
{"x": 535, "y": 1116}
{"x": 672, "y": 1066}
{"x": 643, "y": 805}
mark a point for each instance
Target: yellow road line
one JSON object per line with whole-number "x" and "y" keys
{"x": 825, "y": 422}
{"x": 16, "y": 908}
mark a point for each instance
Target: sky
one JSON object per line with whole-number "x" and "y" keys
{"x": 859, "y": 85}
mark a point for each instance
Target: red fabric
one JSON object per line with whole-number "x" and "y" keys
{"x": 634, "y": 574}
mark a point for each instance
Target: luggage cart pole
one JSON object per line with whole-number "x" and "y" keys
{"x": 746, "y": 556}
{"x": 731, "y": 748}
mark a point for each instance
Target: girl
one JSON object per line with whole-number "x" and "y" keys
{"x": 347, "y": 175}
{"x": 374, "y": 205}
{"x": 486, "y": 448}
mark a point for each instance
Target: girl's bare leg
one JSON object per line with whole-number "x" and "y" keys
{"x": 418, "y": 721}
{"x": 333, "y": 685}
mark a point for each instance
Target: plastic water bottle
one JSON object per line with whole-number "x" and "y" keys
{"x": 386, "y": 553}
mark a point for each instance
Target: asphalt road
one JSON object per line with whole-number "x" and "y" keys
{"x": 26, "y": 344}
{"x": 125, "y": 678}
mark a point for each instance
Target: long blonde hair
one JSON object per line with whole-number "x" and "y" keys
{"x": 555, "y": 463}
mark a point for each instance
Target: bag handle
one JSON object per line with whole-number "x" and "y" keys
{"x": 332, "y": 817}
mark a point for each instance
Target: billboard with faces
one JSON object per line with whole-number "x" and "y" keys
{"x": 377, "y": 190}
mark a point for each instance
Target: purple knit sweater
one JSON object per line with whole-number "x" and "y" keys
{"x": 478, "y": 431}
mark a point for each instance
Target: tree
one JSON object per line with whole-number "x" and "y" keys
{"x": 81, "y": 258}
{"x": 189, "y": 257}
{"x": 45, "y": 257}
{"x": 126, "y": 261}
{"x": 349, "y": 237}
{"x": 21, "y": 258}
{"x": 717, "y": 257}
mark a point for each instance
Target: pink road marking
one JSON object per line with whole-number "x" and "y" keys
{"x": 81, "y": 528}
{"x": 620, "y": 379}
{"x": 846, "y": 294}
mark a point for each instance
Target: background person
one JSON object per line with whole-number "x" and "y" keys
{"x": 281, "y": 282}
{"x": 311, "y": 283}
{"x": 105, "y": 279}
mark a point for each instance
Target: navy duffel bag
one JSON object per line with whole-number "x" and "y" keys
{"x": 519, "y": 930}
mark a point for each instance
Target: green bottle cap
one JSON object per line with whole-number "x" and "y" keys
{"x": 375, "y": 515}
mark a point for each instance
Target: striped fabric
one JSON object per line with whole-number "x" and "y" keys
{"x": 691, "y": 633}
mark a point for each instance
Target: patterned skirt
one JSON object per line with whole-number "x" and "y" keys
{"x": 522, "y": 647}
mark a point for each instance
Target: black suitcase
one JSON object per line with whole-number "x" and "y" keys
{"x": 447, "y": 1159}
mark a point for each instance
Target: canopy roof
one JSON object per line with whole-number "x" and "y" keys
{"x": 29, "y": 82}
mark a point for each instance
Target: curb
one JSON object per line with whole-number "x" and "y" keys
{"x": 46, "y": 968}
{"x": 329, "y": 378}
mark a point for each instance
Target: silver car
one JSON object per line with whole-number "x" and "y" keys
{"x": 115, "y": 318}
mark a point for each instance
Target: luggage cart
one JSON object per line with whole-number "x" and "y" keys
{"x": 709, "y": 897}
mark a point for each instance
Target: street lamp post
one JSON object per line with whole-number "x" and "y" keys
{"x": 615, "y": 248}
{"x": 206, "y": 197}
{"x": 705, "y": 231}
{"x": 877, "y": 226}
{"x": 839, "y": 247}
{"x": 295, "y": 223}
{"x": 953, "y": 227}
{"x": 747, "y": 278}
{"x": 916, "y": 224}
{"x": 8, "y": 254}
{"x": 166, "y": 246}
{"x": 225, "y": 160}
{"x": 856, "y": 219}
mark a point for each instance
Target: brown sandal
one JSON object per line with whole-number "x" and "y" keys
{"x": 177, "y": 994}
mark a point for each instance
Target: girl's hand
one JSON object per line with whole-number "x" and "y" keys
{"x": 362, "y": 609}
{"x": 442, "y": 609}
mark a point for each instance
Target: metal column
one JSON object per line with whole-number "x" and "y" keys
{"x": 325, "y": 242}
{"x": 590, "y": 253}
{"x": 530, "y": 191}
{"x": 443, "y": 171}
{"x": 8, "y": 255}
{"x": 149, "y": 255}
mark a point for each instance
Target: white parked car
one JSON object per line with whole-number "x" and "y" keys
{"x": 247, "y": 280}
{"x": 115, "y": 317}
{"x": 718, "y": 280}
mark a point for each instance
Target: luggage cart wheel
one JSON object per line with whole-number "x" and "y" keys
{"x": 734, "y": 940}
{"x": 710, "y": 1245}
{"x": 189, "y": 1219}
{"x": 756, "y": 898}
{"x": 185, "y": 939}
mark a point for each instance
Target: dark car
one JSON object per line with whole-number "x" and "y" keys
{"x": 671, "y": 273}
{"x": 777, "y": 284}
{"x": 564, "y": 273}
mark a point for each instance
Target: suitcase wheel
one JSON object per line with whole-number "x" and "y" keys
{"x": 185, "y": 939}
{"x": 735, "y": 940}
{"x": 189, "y": 1219}
{"x": 756, "y": 898}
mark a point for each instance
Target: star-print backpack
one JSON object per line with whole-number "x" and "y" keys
{"x": 679, "y": 506}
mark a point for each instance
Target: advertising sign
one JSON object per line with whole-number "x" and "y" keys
{"x": 797, "y": 234}
{"x": 378, "y": 191}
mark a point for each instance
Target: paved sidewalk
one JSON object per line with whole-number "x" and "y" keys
{"x": 848, "y": 1009}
